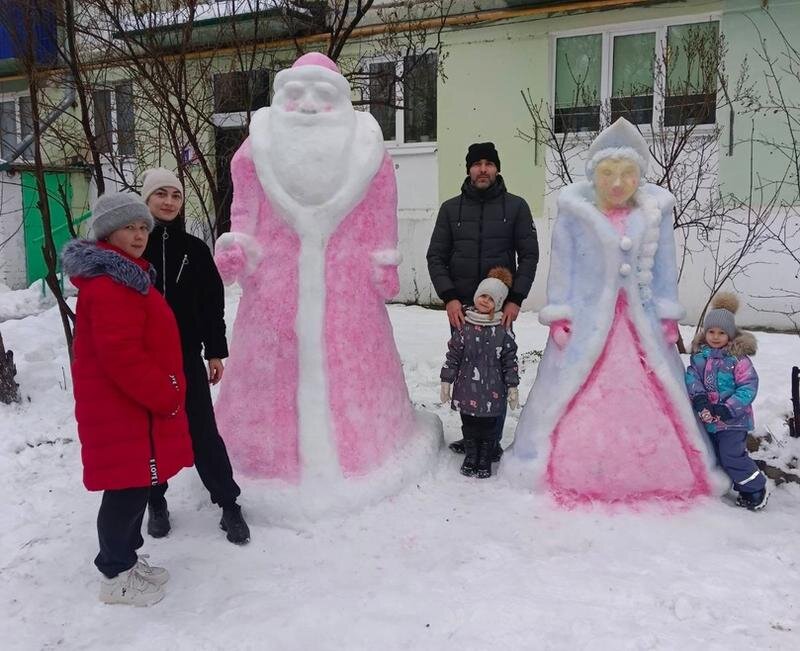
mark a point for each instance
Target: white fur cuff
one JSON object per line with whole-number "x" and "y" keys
{"x": 669, "y": 310}
{"x": 387, "y": 258}
{"x": 552, "y": 313}
{"x": 249, "y": 245}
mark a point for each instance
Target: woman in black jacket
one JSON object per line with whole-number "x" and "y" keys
{"x": 188, "y": 279}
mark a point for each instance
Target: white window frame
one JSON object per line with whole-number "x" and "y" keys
{"x": 608, "y": 33}
{"x": 111, "y": 87}
{"x": 16, "y": 97}
{"x": 398, "y": 145}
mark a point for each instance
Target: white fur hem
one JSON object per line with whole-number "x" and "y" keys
{"x": 250, "y": 247}
{"x": 387, "y": 257}
{"x": 552, "y": 313}
{"x": 669, "y": 310}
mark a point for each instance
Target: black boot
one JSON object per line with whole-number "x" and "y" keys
{"x": 158, "y": 522}
{"x": 497, "y": 453}
{"x": 470, "y": 465}
{"x": 458, "y": 446}
{"x": 485, "y": 453}
{"x": 233, "y": 523}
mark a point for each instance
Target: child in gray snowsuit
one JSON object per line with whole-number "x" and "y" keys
{"x": 481, "y": 367}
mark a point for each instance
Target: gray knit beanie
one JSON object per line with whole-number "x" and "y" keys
{"x": 159, "y": 177}
{"x": 495, "y": 288}
{"x": 115, "y": 210}
{"x": 724, "y": 306}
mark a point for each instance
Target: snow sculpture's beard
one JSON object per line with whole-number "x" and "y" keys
{"x": 311, "y": 153}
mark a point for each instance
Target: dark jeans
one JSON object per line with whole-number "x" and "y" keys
{"x": 478, "y": 428}
{"x": 210, "y": 456}
{"x": 731, "y": 450}
{"x": 119, "y": 529}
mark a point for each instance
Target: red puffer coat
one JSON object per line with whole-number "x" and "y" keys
{"x": 127, "y": 372}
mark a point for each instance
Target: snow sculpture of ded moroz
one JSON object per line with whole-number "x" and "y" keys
{"x": 314, "y": 389}
{"x": 608, "y": 418}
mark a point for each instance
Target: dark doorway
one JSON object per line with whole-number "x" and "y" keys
{"x": 226, "y": 143}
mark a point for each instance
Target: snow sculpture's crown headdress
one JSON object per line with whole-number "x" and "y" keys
{"x": 620, "y": 140}
{"x": 310, "y": 67}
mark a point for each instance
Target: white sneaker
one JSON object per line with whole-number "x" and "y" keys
{"x": 130, "y": 588}
{"x": 152, "y": 573}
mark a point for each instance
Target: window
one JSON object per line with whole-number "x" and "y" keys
{"x": 16, "y": 122}
{"x": 406, "y": 112}
{"x": 237, "y": 92}
{"x": 113, "y": 120}
{"x": 662, "y": 73}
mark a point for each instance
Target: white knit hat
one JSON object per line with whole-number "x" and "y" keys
{"x": 115, "y": 210}
{"x": 495, "y": 288}
{"x": 159, "y": 177}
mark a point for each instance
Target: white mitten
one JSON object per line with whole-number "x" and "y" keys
{"x": 513, "y": 397}
{"x": 444, "y": 392}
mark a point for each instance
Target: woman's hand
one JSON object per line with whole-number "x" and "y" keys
{"x": 215, "y": 370}
{"x": 561, "y": 331}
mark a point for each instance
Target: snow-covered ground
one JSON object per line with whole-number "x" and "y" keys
{"x": 450, "y": 563}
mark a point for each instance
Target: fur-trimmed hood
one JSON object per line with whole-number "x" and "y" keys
{"x": 744, "y": 343}
{"x": 90, "y": 259}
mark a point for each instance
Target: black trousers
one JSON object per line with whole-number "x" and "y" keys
{"x": 479, "y": 428}
{"x": 119, "y": 529}
{"x": 210, "y": 456}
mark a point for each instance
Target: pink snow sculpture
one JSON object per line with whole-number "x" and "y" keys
{"x": 608, "y": 418}
{"x": 314, "y": 389}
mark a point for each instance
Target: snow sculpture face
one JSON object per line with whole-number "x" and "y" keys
{"x": 312, "y": 123}
{"x": 615, "y": 182}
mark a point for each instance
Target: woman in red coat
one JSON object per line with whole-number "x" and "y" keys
{"x": 129, "y": 389}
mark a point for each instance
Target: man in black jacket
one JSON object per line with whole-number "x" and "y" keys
{"x": 484, "y": 226}
{"x": 189, "y": 280}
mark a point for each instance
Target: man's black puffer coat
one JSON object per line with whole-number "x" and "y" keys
{"x": 189, "y": 280}
{"x": 478, "y": 230}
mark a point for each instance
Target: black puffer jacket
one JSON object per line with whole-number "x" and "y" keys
{"x": 189, "y": 280}
{"x": 478, "y": 230}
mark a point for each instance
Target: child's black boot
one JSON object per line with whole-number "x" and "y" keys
{"x": 485, "y": 455}
{"x": 470, "y": 465}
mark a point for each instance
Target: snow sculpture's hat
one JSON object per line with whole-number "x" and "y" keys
{"x": 724, "y": 307}
{"x": 620, "y": 140}
{"x": 495, "y": 285}
{"x": 115, "y": 210}
{"x": 482, "y": 151}
{"x": 313, "y": 66}
{"x": 159, "y": 177}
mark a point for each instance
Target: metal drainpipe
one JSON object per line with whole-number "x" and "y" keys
{"x": 67, "y": 101}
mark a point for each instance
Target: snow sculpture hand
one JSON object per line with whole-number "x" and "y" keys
{"x": 513, "y": 397}
{"x": 561, "y": 331}
{"x": 230, "y": 264}
{"x": 444, "y": 393}
{"x": 384, "y": 274}
{"x": 236, "y": 255}
{"x": 670, "y": 330}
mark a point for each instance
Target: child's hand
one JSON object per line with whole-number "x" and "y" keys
{"x": 706, "y": 416}
{"x": 444, "y": 392}
{"x": 513, "y": 397}
{"x": 720, "y": 412}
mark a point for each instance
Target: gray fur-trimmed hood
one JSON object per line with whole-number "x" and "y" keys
{"x": 86, "y": 259}
{"x": 744, "y": 343}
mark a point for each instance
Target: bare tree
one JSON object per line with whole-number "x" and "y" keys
{"x": 21, "y": 21}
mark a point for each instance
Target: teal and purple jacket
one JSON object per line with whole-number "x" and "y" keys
{"x": 726, "y": 376}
